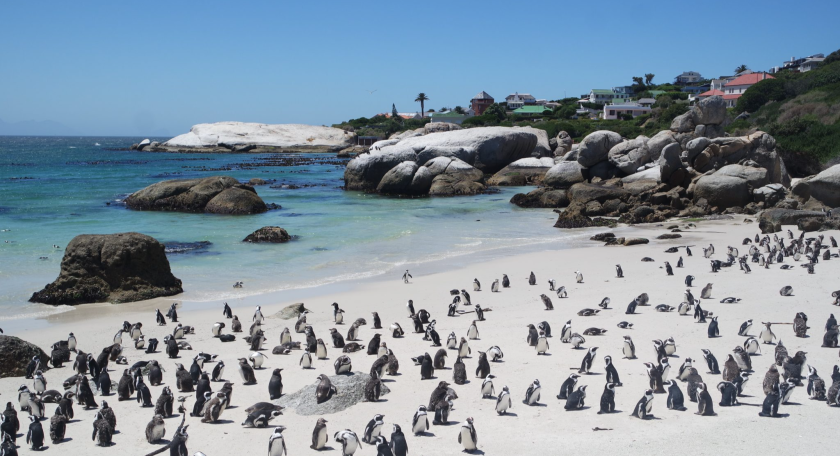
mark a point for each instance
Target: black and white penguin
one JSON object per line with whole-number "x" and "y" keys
{"x": 689, "y": 279}
{"x": 172, "y": 348}
{"x": 629, "y": 349}
{"x": 218, "y": 372}
{"x": 495, "y": 353}
{"x": 745, "y": 328}
{"x": 84, "y": 395}
{"x": 420, "y": 422}
{"x": 816, "y": 385}
{"x": 705, "y": 405}
{"x": 246, "y": 372}
{"x": 578, "y": 277}
{"x": 625, "y": 325}
{"x": 607, "y": 399}
{"x": 619, "y": 273}
{"x": 466, "y": 296}
{"x": 483, "y": 368}
{"x": 503, "y": 402}
{"x": 675, "y": 400}
{"x": 576, "y": 399}
{"x": 562, "y": 293}
{"x": 655, "y": 378}
{"x": 668, "y": 269}
{"x": 770, "y": 406}
{"x": 487, "y": 389}
{"x": 644, "y": 406}
{"x": 586, "y": 363}
{"x": 373, "y": 428}
{"x": 144, "y": 395}
{"x": 631, "y": 308}
{"x": 532, "y": 394}
{"x": 751, "y": 346}
{"x": 399, "y": 446}
{"x": 427, "y": 369}
{"x": 467, "y": 437}
{"x": 348, "y": 439}
{"x": 679, "y": 263}
{"x": 568, "y": 386}
{"x": 566, "y": 332}
{"x": 612, "y": 373}
{"x": 711, "y": 361}
{"x": 542, "y": 344}
{"x": 459, "y": 372}
{"x": 494, "y": 287}
{"x": 532, "y": 279}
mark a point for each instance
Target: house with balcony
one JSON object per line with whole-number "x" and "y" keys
{"x": 688, "y": 77}
{"x": 615, "y": 111}
{"x": 733, "y": 90}
{"x": 517, "y": 100}
{"x": 601, "y": 96}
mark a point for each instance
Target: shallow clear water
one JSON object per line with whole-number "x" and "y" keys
{"x": 52, "y": 189}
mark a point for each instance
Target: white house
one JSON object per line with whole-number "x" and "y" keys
{"x": 601, "y": 96}
{"x": 733, "y": 90}
{"x": 518, "y": 100}
{"x": 688, "y": 77}
{"x": 612, "y": 112}
{"x": 810, "y": 64}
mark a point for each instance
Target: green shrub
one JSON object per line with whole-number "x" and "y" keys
{"x": 760, "y": 93}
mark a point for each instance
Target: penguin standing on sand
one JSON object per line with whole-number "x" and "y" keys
{"x": 476, "y": 285}
{"x": 35, "y": 435}
{"x": 276, "y": 443}
{"x": 675, "y": 399}
{"x": 770, "y": 406}
{"x": 655, "y": 377}
{"x": 373, "y": 428}
{"x": 608, "y": 399}
{"x": 258, "y": 316}
{"x": 711, "y": 361}
{"x": 532, "y": 394}
{"x": 468, "y": 437}
{"x": 586, "y": 364}
{"x": 668, "y": 269}
{"x": 705, "y": 406}
{"x": 579, "y": 277}
{"x": 246, "y": 372}
{"x": 713, "y": 330}
{"x": 532, "y": 279}
{"x": 420, "y": 421}
{"x": 576, "y": 399}
{"x": 159, "y": 318}
{"x": 644, "y": 406}
{"x": 399, "y": 447}
{"x": 745, "y": 328}
{"x": 728, "y": 394}
{"x": 494, "y": 287}
{"x": 503, "y": 402}
{"x": 338, "y": 314}
{"x": 612, "y": 373}
{"x": 505, "y": 281}
{"x": 487, "y": 389}
{"x": 629, "y": 349}
{"x": 542, "y": 344}
{"x": 405, "y": 277}
{"x": 619, "y": 273}
{"x": 568, "y": 386}
{"x": 227, "y": 312}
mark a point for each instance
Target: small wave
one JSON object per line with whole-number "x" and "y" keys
{"x": 51, "y": 310}
{"x": 175, "y": 248}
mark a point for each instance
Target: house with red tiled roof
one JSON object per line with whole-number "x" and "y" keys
{"x": 707, "y": 94}
{"x": 733, "y": 90}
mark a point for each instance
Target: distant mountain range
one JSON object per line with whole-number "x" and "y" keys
{"x": 36, "y": 128}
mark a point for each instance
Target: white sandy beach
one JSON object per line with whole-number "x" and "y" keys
{"x": 543, "y": 429}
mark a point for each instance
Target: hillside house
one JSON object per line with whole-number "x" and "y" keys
{"x": 733, "y": 90}
{"x": 481, "y": 102}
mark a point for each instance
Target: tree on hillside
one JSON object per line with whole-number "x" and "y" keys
{"x": 430, "y": 110}
{"x": 638, "y": 84}
{"x": 741, "y": 68}
{"x": 459, "y": 110}
{"x": 422, "y": 98}
{"x": 649, "y": 78}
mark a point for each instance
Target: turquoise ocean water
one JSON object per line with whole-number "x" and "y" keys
{"x": 54, "y": 188}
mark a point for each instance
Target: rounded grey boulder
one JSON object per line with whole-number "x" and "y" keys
{"x": 722, "y": 191}
{"x": 225, "y": 193}
{"x": 564, "y": 175}
{"x": 596, "y": 146}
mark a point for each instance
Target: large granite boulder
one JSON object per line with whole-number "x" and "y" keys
{"x": 596, "y": 146}
{"x": 15, "y": 354}
{"x": 225, "y": 136}
{"x": 711, "y": 110}
{"x": 825, "y": 186}
{"x": 350, "y": 390}
{"x": 650, "y": 174}
{"x": 658, "y": 142}
{"x": 543, "y": 147}
{"x": 788, "y": 216}
{"x": 628, "y": 156}
{"x": 269, "y": 234}
{"x": 121, "y": 267}
{"x": 564, "y": 144}
{"x": 524, "y": 171}
{"x": 457, "y": 178}
{"x": 398, "y": 179}
{"x": 564, "y": 174}
{"x": 216, "y": 194}
{"x": 240, "y": 200}
{"x": 722, "y": 191}
{"x": 769, "y": 194}
{"x": 765, "y": 155}
{"x": 365, "y": 171}
{"x": 671, "y": 169}
{"x": 756, "y": 177}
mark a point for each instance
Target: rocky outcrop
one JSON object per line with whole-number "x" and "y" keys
{"x": 437, "y": 127}
{"x": 722, "y": 191}
{"x": 217, "y": 195}
{"x": 628, "y": 156}
{"x": 121, "y": 267}
{"x": 583, "y": 193}
{"x": 268, "y": 234}
{"x": 487, "y": 150}
{"x": 525, "y": 171}
{"x": 543, "y": 147}
{"x": 256, "y": 137}
{"x": 709, "y": 111}
{"x": 825, "y": 186}
{"x": 454, "y": 178}
{"x": 290, "y": 311}
{"x": 564, "y": 144}
{"x": 350, "y": 390}
{"x": 596, "y": 146}
{"x": 15, "y": 354}
{"x": 564, "y": 174}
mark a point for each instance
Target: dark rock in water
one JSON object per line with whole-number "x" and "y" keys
{"x": 257, "y": 181}
{"x": 15, "y": 355}
{"x": 290, "y": 311}
{"x": 350, "y": 391}
{"x": 217, "y": 195}
{"x": 669, "y": 236}
{"x": 635, "y": 241}
{"x": 120, "y": 267}
{"x": 175, "y": 248}
{"x": 541, "y": 197}
{"x": 271, "y": 234}
{"x": 602, "y": 237}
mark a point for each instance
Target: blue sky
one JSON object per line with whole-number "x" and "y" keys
{"x": 156, "y": 68}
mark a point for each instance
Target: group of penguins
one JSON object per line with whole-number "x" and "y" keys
{"x": 91, "y": 372}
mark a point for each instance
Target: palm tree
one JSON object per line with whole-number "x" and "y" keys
{"x": 741, "y": 69}
{"x": 422, "y": 98}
